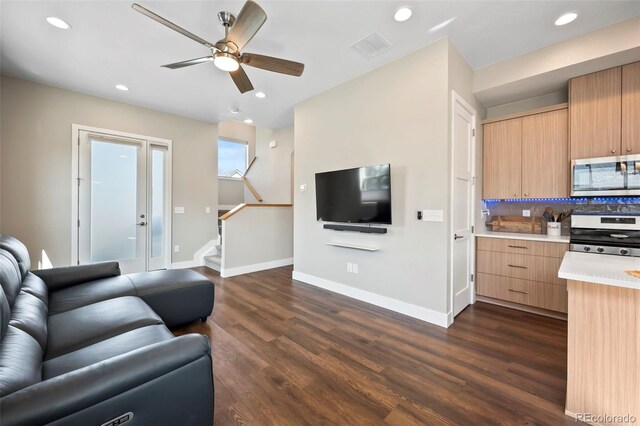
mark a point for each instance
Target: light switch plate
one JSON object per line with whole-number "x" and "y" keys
{"x": 303, "y": 187}
{"x": 433, "y": 215}
{"x": 526, "y": 213}
{"x": 207, "y": 209}
{"x": 178, "y": 210}
{"x": 273, "y": 144}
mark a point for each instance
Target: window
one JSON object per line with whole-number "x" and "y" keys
{"x": 232, "y": 158}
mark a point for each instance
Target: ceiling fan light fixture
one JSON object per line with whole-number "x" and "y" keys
{"x": 226, "y": 62}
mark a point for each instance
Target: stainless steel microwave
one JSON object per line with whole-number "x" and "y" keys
{"x": 606, "y": 176}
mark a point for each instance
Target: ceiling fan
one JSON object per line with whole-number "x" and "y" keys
{"x": 225, "y": 53}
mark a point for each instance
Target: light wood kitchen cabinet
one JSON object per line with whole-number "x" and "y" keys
{"x": 527, "y": 156}
{"x": 595, "y": 113}
{"x": 521, "y": 271}
{"x": 502, "y": 159}
{"x": 631, "y": 109}
{"x": 545, "y": 156}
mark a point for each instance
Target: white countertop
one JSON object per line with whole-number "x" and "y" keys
{"x": 527, "y": 237}
{"x": 600, "y": 269}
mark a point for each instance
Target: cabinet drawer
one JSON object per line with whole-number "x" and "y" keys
{"x": 533, "y": 248}
{"x": 532, "y": 268}
{"x": 541, "y": 295}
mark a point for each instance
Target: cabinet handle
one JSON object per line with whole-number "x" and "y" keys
{"x": 628, "y": 149}
{"x": 613, "y": 151}
{"x": 519, "y": 247}
{"x": 518, "y": 291}
{"x": 516, "y": 266}
{"x": 526, "y": 195}
{"x": 515, "y": 195}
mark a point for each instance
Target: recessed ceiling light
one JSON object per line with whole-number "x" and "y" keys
{"x": 261, "y": 95}
{"x": 122, "y": 87}
{"x": 248, "y": 121}
{"x": 58, "y": 23}
{"x": 566, "y": 18}
{"x": 402, "y": 14}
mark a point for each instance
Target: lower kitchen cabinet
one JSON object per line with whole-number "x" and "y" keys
{"x": 522, "y": 272}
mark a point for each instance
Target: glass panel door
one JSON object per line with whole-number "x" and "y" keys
{"x": 112, "y": 201}
{"x": 159, "y": 209}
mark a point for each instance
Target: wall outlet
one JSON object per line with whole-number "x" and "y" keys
{"x": 433, "y": 215}
{"x": 178, "y": 210}
{"x": 355, "y": 268}
{"x": 176, "y": 249}
{"x": 349, "y": 267}
{"x": 207, "y": 209}
{"x": 526, "y": 213}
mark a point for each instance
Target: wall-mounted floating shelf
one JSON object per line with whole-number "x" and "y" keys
{"x": 353, "y": 246}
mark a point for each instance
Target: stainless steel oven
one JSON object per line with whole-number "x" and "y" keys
{"x": 607, "y": 176}
{"x": 608, "y": 234}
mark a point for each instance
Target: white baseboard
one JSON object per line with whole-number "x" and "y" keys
{"x": 414, "y": 311}
{"x": 185, "y": 264}
{"x": 247, "y": 269}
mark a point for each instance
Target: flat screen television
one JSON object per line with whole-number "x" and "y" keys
{"x": 360, "y": 195}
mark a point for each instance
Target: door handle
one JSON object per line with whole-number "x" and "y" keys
{"x": 141, "y": 224}
{"x": 457, "y": 237}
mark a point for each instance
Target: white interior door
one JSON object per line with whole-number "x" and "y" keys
{"x": 123, "y": 202}
{"x": 462, "y": 203}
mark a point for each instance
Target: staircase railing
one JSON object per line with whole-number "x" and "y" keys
{"x": 248, "y": 185}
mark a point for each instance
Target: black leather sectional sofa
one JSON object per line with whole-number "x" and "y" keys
{"x": 85, "y": 345}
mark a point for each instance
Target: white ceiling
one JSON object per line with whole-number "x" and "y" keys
{"x": 110, "y": 43}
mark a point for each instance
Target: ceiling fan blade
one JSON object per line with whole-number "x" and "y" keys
{"x": 188, "y": 63}
{"x": 269, "y": 63}
{"x": 241, "y": 80}
{"x": 170, "y": 24}
{"x": 249, "y": 21}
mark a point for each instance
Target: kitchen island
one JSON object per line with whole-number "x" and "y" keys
{"x": 603, "y": 349}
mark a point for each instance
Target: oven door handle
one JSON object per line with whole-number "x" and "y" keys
{"x": 619, "y": 236}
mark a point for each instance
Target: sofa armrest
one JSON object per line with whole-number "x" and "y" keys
{"x": 57, "y": 278}
{"x": 178, "y": 370}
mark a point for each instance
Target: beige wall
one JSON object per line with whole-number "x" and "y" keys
{"x": 528, "y": 104}
{"x": 240, "y": 132}
{"x": 271, "y": 173}
{"x": 395, "y": 114}
{"x": 36, "y": 165}
{"x": 230, "y": 192}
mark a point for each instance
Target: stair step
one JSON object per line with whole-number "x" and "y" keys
{"x": 215, "y": 259}
{"x": 213, "y": 262}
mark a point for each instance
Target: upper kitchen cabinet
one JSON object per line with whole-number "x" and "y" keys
{"x": 595, "y": 114}
{"x": 502, "y": 159}
{"x": 526, "y": 155}
{"x": 631, "y": 109}
{"x": 545, "y": 156}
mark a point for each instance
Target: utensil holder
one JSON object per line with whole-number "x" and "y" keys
{"x": 554, "y": 228}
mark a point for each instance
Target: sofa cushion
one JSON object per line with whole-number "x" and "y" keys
{"x": 90, "y": 292}
{"x": 34, "y": 285}
{"x": 84, "y": 326}
{"x": 20, "y": 361}
{"x": 18, "y": 251}
{"x": 29, "y": 314}
{"x": 118, "y": 345}
{"x": 10, "y": 278}
{"x": 177, "y": 295}
{"x": 5, "y": 314}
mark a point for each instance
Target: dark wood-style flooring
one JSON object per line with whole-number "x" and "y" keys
{"x": 286, "y": 353}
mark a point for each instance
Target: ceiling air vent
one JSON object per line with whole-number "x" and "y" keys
{"x": 372, "y": 45}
